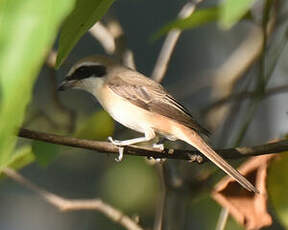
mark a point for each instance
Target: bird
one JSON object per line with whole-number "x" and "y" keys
{"x": 143, "y": 105}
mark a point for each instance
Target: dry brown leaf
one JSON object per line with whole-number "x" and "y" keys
{"x": 249, "y": 209}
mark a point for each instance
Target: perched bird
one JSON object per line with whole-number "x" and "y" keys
{"x": 143, "y": 105}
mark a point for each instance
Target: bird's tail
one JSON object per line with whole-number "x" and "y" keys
{"x": 194, "y": 139}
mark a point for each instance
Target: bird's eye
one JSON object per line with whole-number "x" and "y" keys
{"x": 98, "y": 70}
{"x": 82, "y": 70}
{"x": 89, "y": 71}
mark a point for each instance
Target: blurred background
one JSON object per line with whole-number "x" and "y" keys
{"x": 196, "y": 76}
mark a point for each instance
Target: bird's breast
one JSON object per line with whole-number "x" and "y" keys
{"x": 123, "y": 111}
{"x": 134, "y": 117}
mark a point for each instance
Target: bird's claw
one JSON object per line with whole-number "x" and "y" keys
{"x": 120, "y": 156}
{"x": 153, "y": 160}
{"x": 121, "y": 149}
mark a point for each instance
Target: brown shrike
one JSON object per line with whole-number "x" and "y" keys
{"x": 143, "y": 105}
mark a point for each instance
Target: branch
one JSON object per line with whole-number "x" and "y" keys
{"x": 222, "y": 219}
{"x": 190, "y": 155}
{"x": 75, "y": 204}
{"x": 121, "y": 49}
{"x": 105, "y": 38}
{"x": 170, "y": 42}
{"x": 159, "y": 214}
{"x": 112, "y": 38}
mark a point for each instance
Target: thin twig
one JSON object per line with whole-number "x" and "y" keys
{"x": 243, "y": 96}
{"x": 158, "y": 223}
{"x": 121, "y": 50}
{"x": 64, "y": 204}
{"x": 112, "y": 38}
{"x": 224, "y": 137}
{"x": 222, "y": 220}
{"x": 107, "y": 147}
{"x": 249, "y": 115}
{"x": 103, "y": 35}
{"x": 262, "y": 81}
{"x": 229, "y": 74}
{"x": 170, "y": 42}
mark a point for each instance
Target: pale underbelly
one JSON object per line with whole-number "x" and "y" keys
{"x": 136, "y": 118}
{"x": 126, "y": 113}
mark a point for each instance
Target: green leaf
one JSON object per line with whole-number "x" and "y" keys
{"x": 28, "y": 28}
{"x": 97, "y": 127}
{"x": 199, "y": 18}
{"x": 21, "y": 158}
{"x": 232, "y": 11}
{"x": 278, "y": 187}
{"x": 85, "y": 14}
{"x": 44, "y": 152}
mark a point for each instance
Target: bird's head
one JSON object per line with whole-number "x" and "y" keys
{"x": 89, "y": 73}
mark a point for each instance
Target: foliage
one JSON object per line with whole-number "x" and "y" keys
{"x": 228, "y": 13}
{"x": 85, "y": 14}
{"x": 232, "y": 11}
{"x": 22, "y": 157}
{"x": 278, "y": 186}
{"x": 44, "y": 152}
{"x": 28, "y": 28}
{"x": 199, "y": 18}
{"x": 36, "y": 23}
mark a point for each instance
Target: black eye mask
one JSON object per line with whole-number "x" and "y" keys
{"x": 88, "y": 71}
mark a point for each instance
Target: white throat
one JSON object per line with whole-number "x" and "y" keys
{"x": 92, "y": 85}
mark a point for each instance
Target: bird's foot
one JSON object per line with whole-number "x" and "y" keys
{"x": 153, "y": 161}
{"x": 120, "y": 148}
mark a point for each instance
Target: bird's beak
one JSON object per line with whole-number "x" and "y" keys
{"x": 66, "y": 84}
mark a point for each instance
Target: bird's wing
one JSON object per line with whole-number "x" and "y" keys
{"x": 151, "y": 96}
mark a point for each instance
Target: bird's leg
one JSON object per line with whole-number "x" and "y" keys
{"x": 160, "y": 146}
{"x": 130, "y": 141}
{"x": 149, "y": 135}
